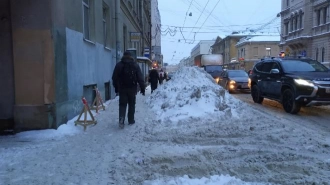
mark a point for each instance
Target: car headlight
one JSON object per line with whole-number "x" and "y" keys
{"x": 232, "y": 82}
{"x": 304, "y": 82}
{"x": 217, "y": 79}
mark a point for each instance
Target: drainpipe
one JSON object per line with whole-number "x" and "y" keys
{"x": 150, "y": 39}
{"x": 118, "y": 35}
{"x": 142, "y": 26}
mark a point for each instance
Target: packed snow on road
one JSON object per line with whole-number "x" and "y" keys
{"x": 188, "y": 131}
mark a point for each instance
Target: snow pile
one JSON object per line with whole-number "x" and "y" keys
{"x": 191, "y": 93}
{"x": 213, "y": 180}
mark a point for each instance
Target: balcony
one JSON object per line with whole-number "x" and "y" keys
{"x": 321, "y": 29}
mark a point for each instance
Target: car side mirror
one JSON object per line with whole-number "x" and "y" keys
{"x": 274, "y": 71}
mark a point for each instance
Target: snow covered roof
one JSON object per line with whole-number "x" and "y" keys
{"x": 259, "y": 38}
{"x": 139, "y": 59}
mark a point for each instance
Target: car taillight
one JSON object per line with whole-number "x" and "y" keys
{"x": 251, "y": 72}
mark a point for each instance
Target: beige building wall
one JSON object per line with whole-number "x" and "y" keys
{"x": 255, "y": 50}
{"x": 226, "y": 47}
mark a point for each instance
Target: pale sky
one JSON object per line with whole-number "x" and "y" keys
{"x": 211, "y": 18}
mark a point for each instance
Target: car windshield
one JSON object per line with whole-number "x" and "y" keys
{"x": 237, "y": 73}
{"x": 213, "y": 69}
{"x": 303, "y": 66}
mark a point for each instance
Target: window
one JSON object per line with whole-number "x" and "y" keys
{"x": 301, "y": 21}
{"x": 303, "y": 66}
{"x": 325, "y": 15}
{"x": 317, "y": 54}
{"x": 296, "y": 23}
{"x": 286, "y": 27}
{"x": 266, "y": 67}
{"x": 88, "y": 23}
{"x": 86, "y": 17}
{"x": 291, "y": 25}
{"x": 268, "y": 51}
{"x": 107, "y": 92}
{"x": 106, "y": 25}
{"x": 322, "y": 54}
{"x": 275, "y": 66}
{"x": 318, "y": 17}
{"x": 255, "y": 51}
{"x": 287, "y": 3}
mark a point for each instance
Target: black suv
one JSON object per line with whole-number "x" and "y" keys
{"x": 294, "y": 82}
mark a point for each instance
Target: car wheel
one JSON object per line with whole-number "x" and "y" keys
{"x": 290, "y": 105}
{"x": 256, "y": 95}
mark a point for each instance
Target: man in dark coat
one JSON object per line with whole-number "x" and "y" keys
{"x": 126, "y": 86}
{"x": 153, "y": 79}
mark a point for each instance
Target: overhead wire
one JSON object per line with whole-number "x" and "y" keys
{"x": 262, "y": 26}
{"x": 183, "y": 26}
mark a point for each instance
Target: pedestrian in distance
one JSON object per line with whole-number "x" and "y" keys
{"x": 153, "y": 79}
{"x": 126, "y": 77}
{"x": 165, "y": 76}
{"x": 161, "y": 76}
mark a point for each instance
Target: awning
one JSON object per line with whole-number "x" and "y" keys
{"x": 144, "y": 60}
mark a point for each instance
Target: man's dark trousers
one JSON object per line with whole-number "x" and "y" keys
{"x": 127, "y": 96}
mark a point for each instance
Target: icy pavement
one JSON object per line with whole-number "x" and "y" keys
{"x": 232, "y": 145}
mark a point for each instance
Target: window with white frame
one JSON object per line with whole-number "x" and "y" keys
{"x": 106, "y": 25}
{"x": 268, "y": 51}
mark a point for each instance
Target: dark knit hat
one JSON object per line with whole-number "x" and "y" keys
{"x": 127, "y": 54}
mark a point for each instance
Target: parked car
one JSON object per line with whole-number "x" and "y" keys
{"x": 294, "y": 82}
{"x": 233, "y": 80}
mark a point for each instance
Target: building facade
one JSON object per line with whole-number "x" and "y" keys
{"x": 56, "y": 52}
{"x": 226, "y": 47}
{"x": 203, "y": 47}
{"x": 305, "y": 28}
{"x": 252, "y": 48}
{"x": 156, "y": 33}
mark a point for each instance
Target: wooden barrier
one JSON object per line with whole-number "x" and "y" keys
{"x": 85, "y": 122}
{"x": 98, "y": 102}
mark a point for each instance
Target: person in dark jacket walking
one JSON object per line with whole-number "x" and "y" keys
{"x": 153, "y": 79}
{"x": 126, "y": 75}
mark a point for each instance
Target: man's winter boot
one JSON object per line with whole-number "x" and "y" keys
{"x": 121, "y": 123}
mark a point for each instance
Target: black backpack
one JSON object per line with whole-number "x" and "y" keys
{"x": 128, "y": 75}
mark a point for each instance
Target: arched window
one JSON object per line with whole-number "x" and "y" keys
{"x": 322, "y": 54}
{"x": 317, "y": 54}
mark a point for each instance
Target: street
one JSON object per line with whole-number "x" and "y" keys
{"x": 317, "y": 117}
